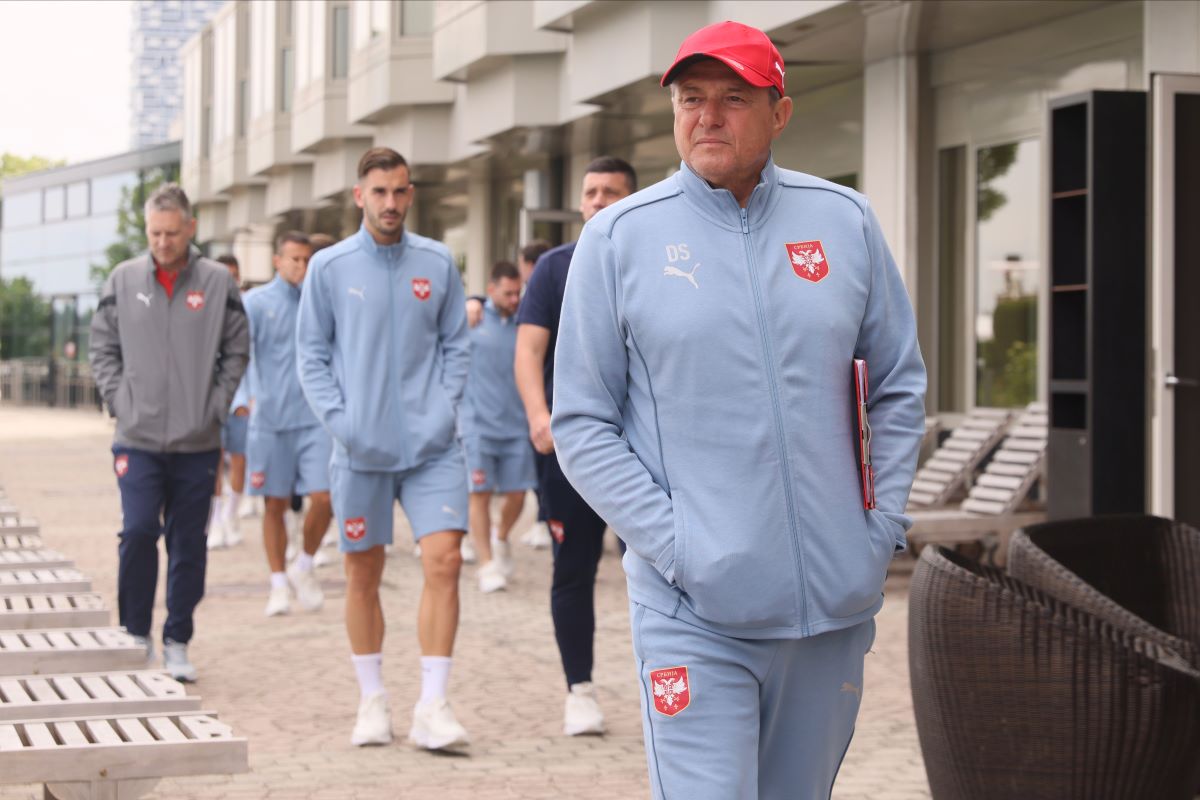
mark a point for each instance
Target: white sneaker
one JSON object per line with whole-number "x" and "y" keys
{"x": 491, "y": 577}
{"x": 233, "y": 532}
{"x": 217, "y": 534}
{"x": 322, "y": 558}
{"x": 175, "y": 661}
{"x": 374, "y": 723}
{"x": 468, "y": 551}
{"x": 435, "y": 727}
{"x": 502, "y": 555}
{"x": 538, "y": 536}
{"x": 583, "y": 715}
{"x": 308, "y": 591}
{"x": 279, "y": 602}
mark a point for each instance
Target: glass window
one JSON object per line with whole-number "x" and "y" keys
{"x": 78, "y": 199}
{"x": 53, "y": 204}
{"x": 106, "y": 191}
{"x": 285, "y": 79}
{"x": 22, "y": 209}
{"x": 341, "y": 42}
{"x": 416, "y": 17}
{"x": 1007, "y": 273}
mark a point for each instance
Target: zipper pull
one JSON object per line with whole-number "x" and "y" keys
{"x": 745, "y": 222}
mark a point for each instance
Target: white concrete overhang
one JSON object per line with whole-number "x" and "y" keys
{"x": 319, "y": 116}
{"x": 269, "y": 144}
{"x": 470, "y": 34}
{"x": 390, "y": 74}
{"x": 289, "y": 188}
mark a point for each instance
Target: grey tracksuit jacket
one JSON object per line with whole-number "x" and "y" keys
{"x": 167, "y": 368}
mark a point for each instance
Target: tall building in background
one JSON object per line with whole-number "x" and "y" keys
{"x": 160, "y": 28}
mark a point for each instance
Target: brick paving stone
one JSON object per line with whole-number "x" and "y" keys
{"x": 287, "y": 685}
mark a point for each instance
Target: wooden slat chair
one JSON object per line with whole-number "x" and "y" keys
{"x": 92, "y": 694}
{"x": 37, "y": 611}
{"x": 43, "y": 580}
{"x": 19, "y": 525}
{"x": 21, "y": 541}
{"x": 950, "y": 468}
{"x": 37, "y": 652}
{"x": 993, "y": 509}
{"x": 117, "y": 756}
{"x": 33, "y": 559}
{"x": 8, "y": 511}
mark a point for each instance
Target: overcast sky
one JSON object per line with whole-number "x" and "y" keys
{"x": 64, "y": 78}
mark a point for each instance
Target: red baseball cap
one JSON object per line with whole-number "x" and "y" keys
{"x": 745, "y": 50}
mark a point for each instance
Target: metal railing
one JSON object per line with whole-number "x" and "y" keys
{"x": 42, "y": 382}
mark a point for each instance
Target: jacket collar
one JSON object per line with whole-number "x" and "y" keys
{"x": 278, "y": 284}
{"x": 390, "y": 252}
{"x": 720, "y": 206}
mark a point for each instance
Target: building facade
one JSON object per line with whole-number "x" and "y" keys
{"x": 160, "y": 28}
{"x": 936, "y": 110}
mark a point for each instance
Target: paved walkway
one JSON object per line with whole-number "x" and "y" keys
{"x": 286, "y": 684}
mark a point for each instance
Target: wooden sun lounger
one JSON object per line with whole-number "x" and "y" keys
{"x": 21, "y": 541}
{"x": 993, "y": 507}
{"x": 38, "y": 611}
{"x": 37, "y": 652}
{"x": 92, "y": 694}
{"x": 951, "y": 467}
{"x": 18, "y": 580}
{"x": 33, "y": 559}
{"x": 19, "y": 526}
{"x": 117, "y": 756}
{"x": 9, "y": 511}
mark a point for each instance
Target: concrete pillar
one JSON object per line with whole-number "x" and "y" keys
{"x": 479, "y": 225}
{"x": 1171, "y": 37}
{"x": 253, "y": 247}
{"x": 890, "y": 112}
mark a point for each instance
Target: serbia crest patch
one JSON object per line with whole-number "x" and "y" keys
{"x": 672, "y": 692}
{"x": 808, "y": 260}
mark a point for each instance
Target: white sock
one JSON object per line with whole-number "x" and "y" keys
{"x": 232, "y": 501}
{"x": 303, "y": 562}
{"x": 278, "y": 580}
{"x": 369, "y": 669}
{"x": 435, "y": 674}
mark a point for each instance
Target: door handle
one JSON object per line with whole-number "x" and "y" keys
{"x": 1172, "y": 381}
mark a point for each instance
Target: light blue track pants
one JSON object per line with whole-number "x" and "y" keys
{"x": 739, "y": 719}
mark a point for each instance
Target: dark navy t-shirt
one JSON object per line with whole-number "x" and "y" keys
{"x": 543, "y": 301}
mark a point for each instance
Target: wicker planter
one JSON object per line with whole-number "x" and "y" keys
{"x": 1021, "y": 696}
{"x": 1140, "y": 573}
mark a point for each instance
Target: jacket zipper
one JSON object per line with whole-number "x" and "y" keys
{"x": 778, "y": 413}
{"x": 392, "y": 272}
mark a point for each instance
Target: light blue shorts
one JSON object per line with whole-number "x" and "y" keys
{"x": 499, "y": 465}
{"x": 433, "y": 496}
{"x": 233, "y": 434}
{"x": 283, "y": 463}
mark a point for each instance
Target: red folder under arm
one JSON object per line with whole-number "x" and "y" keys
{"x": 866, "y": 471}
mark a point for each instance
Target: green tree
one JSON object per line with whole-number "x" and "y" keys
{"x": 994, "y": 162}
{"x": 131, "y": 222}
{"x": 12, "y": 165}
{"x": 24, "y": 321}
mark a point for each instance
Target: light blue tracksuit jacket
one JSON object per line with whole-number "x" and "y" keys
{"x": 703, "y": 402}
{"x": 382, "y": 349}
{"x": 492, "y": 407}
{"x": 279, "y": 403}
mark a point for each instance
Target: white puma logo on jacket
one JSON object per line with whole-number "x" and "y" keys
{"x": 676, "y": 272}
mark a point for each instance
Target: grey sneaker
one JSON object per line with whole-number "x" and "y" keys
{"x": 146, "y": 642}
{"x": 175, "y": 661}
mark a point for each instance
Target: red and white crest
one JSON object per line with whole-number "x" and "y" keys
{"x": 478, "y": 477}
{"x": 258, "y": 480}
{"x": 808, "y": 260}
{"x": 356, "y": 528}
{"x": 121, "y": 465}
{"x": 422, "y": 288}
{"x": 195, "y": 300}
{"x": 556, "y": 530}
{"x": 672, "y": 691}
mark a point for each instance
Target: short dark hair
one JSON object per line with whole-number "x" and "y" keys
{"x": 298, "y": 237}
{"x": 614, "y": 164}
{"x": 504, "y": 269}
{"x": 531, "y": 252}
{"x": 320, "y": 241}
{"x": 229, "y": 260}
{"x": 384, "y": 158}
